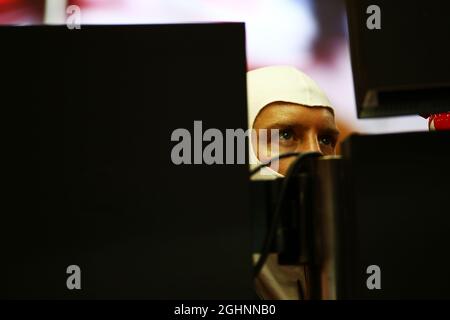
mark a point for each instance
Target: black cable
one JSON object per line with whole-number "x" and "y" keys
{"x": 268, "y": 162}
{"x": 277, "y": 214}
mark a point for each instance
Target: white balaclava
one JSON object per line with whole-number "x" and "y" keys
{"x": 279, "y": 84}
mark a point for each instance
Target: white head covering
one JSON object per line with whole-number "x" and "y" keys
{"x": 283, "y": 84}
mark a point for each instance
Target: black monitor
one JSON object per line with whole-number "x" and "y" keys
{"x": 90, "y": 183}
{"x": 382, "y": 218}
{"x": 400, "y": 56}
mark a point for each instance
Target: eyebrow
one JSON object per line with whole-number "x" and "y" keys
{"x": 289, "y": 124}
{"x": 331, "y": 131}
{"x": 284, "y": 124}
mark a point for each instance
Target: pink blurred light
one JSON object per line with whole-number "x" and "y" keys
{"x": 21, "y": 12}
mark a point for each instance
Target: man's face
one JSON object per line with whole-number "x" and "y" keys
{"x": 301, "y": 129}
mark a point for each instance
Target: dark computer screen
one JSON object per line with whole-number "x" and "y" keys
{"x": 399, "y": 53}
{"x": 88, "y": 118}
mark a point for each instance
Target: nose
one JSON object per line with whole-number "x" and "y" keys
{"x": 310, "y": 144}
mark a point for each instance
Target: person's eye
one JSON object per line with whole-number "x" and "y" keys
{"x": 327, "y": 140}
{"x": 286, "y": 134}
